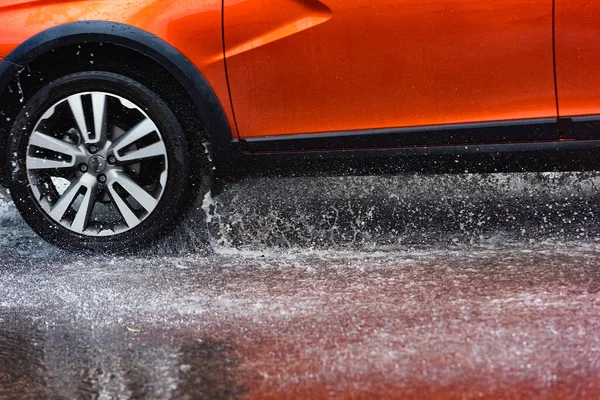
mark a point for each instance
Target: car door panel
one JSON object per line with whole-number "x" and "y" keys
{"x": 338, "y": 65}
{"x": 578, "y": 67}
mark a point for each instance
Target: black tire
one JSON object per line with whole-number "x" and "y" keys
{"x": 176, "y": 194}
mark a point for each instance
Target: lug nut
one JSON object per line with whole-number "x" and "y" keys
{"x": 112, "y": 160}
{"x": 83, "y": 168}
{"x": 102, "y": 178}
{"x": 92, "y": 148}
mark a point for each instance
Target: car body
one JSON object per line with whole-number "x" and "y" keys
{"x": 332, "y": 86}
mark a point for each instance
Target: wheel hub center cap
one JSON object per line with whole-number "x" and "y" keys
{"x": 97, "y": 164}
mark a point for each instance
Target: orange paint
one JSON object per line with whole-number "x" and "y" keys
{"x": 578, "y": 57}
{"x": 387, "y": 63}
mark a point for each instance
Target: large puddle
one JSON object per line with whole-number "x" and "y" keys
{"x": 440, "y": 286}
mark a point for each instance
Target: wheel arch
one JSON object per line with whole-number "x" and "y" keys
{"x": 200, "y": 108}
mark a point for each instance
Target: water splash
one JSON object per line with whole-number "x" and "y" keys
{"x": 367, "y": 213}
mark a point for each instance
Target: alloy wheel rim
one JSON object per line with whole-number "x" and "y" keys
{"x": 96, "y": 163}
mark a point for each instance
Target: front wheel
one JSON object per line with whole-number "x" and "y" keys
{"x": 99, "y": 162}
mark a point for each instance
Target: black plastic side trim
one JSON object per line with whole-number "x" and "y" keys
{"x": 534, "y": 156}
{"x": 437, "y": 135}
{"x": 583, "y": 127}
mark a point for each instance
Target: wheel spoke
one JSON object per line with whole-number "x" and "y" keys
{"x": 53, "y": 144}
{"x": 128, "y": 216}
{"x": 142, "y": 129}
{"x": 68, "y": 197}
{"x": 47, "y": 142}
{"x": 140, "y": 195}
{"x": 42, "y": 163}
{"x": 99, "y": 110}
{"x": 154, "y": 150}
{"x": 85, "y": 209}
{"x": 75, "y": 102}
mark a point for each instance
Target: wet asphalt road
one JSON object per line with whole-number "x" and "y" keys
{"x": 410, "y": 287}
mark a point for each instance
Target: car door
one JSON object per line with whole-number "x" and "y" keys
{"x": 305, "y": 66}
{"x": 578, "y": 68}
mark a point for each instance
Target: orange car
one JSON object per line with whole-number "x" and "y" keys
{"x": 115, "y": 115}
